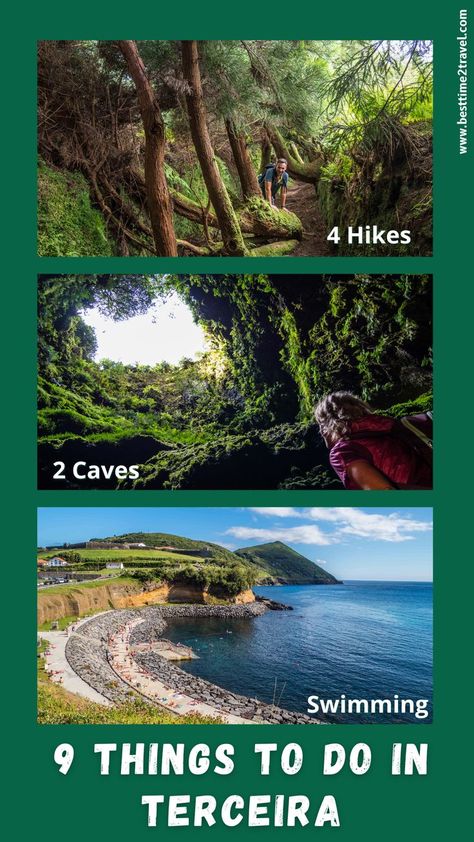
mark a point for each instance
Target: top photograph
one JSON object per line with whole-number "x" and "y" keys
{"x": 235, "y": 148}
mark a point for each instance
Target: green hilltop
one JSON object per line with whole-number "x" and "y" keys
{"x": 285, "y": 565}
{"x": 174, "y": 558}
{"x": 275, "y": 561}
{"x": 156, "y": 540}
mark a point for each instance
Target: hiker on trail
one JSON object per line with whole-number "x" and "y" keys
{"x": 375, "y": 452}
{"x": 274, "y": 179}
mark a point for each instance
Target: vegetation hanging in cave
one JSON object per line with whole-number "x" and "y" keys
{"x": 154, "y": 147}
{"x": 240, "y": 415}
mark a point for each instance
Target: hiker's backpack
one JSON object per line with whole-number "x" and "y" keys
{"x": 405, "y": 430}
{"x": 261, "y": 177}
{"x": 420, "y": 441}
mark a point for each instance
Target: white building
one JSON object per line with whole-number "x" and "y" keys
{"x": 114, "y": 565}
{"x": 57, "y": 562}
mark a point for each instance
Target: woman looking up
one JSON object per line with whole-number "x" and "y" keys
{"x": 375, "y": 452}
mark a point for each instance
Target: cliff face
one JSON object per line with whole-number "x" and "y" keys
{"x": 244, "y": 597}
{"x": 76, "y": 602}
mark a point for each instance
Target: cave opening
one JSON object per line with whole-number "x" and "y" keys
{"x": 167, "y": 332}
{"x": 252, "y": 355}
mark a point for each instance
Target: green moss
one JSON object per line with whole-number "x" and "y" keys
{"x": 317, "y": 477}
{"x": 361, "y": 334}
{"x": 293, "y": 357}
{"x": 63, "y": 412}
{"x": 266, "y": 219}
{"x": 354, "y": 203}
{"x": 173, "y": 469}
{"x": 275, "y": 249}
{"x": 423, "y": 403}
{"x": 240, "y": 461}
{"x": 282, "y": 343}
{"x": 68, "y": 226}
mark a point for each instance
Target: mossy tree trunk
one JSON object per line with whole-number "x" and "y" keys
{"x": 158, "y": 197}
{"x": 308, "y": 172}
{"x": 245, "y": 170}
{"x": 295, "y": 151}
{"x": 228, "y": 223}
{"x": 265, "y": 150}
{"x": 262, "y": 219}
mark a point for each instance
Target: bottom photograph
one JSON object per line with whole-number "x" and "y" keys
{"x": 234, "y": 615}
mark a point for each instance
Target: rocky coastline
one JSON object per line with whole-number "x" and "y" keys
{"x": 88, "y": 653}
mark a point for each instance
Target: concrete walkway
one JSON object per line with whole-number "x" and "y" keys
{"x": 59, "y": 669}
{"x": 152, "y": 688}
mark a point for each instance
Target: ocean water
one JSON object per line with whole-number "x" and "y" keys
{"x": 367, "y": 640}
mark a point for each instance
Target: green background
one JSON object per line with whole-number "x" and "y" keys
{"x": 83, "y": 805}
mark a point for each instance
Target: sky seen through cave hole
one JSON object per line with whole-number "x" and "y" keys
{"x": 166, "y": 333}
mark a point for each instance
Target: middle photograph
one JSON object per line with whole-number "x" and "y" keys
{"x": 235, "y": 382}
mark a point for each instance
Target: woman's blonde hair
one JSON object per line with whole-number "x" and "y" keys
{"x": 335, "y": 412}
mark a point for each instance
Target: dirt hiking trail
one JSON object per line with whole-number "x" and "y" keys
{"x": 303, "y": 202}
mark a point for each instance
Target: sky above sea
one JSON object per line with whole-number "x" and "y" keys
{"x": 393, "y": 544}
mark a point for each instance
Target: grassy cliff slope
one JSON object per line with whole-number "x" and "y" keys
{"x": 285, "y": 565}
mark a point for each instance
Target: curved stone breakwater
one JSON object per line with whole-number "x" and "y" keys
{"x": 87, "y": 653}
{"x": 116, "y": 654}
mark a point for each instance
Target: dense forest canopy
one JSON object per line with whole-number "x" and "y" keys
{"x": 154, "y": 147}
{"x": 277, "y": 343}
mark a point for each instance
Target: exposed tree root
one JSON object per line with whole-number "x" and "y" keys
{"x": 275, "y": 249}
{"x": 202, "y": 251}
{"x": 309, "y": 172}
